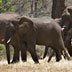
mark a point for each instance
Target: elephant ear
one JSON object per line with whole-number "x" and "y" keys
{"x": 70, "y": 10}
{"x": 25, "y": 19}
{"x": 66, "y": 18}
{"x": 26, "y": 24}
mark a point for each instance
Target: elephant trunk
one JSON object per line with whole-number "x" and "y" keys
{"x": 7, "y": 42}
{"x": 8, "y": 53}
{"x": 8, "y": 35}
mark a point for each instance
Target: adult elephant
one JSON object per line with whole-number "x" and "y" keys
{"x": 68, "y": 42}
{"x": 41, "y": 31}
{"x": 66, "y": 23}
{"x": 6, "y": 19}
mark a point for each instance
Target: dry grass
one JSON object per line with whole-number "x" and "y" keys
{"x": 44, "y": 66}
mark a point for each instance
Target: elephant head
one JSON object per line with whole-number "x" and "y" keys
{"x": 16, "y": 28}
{"x": 67, "y": 18}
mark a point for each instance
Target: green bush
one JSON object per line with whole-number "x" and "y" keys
{"x": 3, "y": 51}
{"x": 6, "y": 6}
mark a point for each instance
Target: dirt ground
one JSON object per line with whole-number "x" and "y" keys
{"x": 30, "y": 66}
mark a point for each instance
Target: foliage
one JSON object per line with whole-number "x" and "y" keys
{"x": 3, "y": 51}
{"x": 8, "y": 6}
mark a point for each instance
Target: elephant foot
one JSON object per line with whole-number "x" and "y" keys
{"x": 24, "y": 60}
{"x": 49, "y": 59}
{"x": 8, "y": 62}
{"x": 14, "y": 61}
{"x": 58, "y": 59}
{"x": 37, "y": 62}
{"x": 67, "y": 55}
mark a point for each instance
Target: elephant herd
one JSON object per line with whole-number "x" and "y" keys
{"x": 23, "y": 33}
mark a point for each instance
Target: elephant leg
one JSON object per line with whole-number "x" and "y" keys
{"x": 51, "y": 55}
{"x": 57, "y": 51}
{"x": 69, "y": 48}
{"x": 16, "y": 55}
{"x": 31, "y": 49}
{"x": 68, "y": 44}
{"x": 45, "y": 53}
{"x": 58, "y": 56}
{"x": 66, "y": 54}
{"x": 23, "y": 53}
{"x": 61, "y": 46}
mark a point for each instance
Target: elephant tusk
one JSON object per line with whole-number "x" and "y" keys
{"x": 9, "y": 40}
{"x": 62, "y": 29}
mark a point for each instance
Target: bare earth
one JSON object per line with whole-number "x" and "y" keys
{"x": 30, "y": 66}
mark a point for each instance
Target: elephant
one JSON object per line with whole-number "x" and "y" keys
{"x": 6, "y": 19}
{"x": 51, "y": 54}
{"x": 40, "y": 31}
{"x": 68, "y": 41}
{"x": 66, "y": 23}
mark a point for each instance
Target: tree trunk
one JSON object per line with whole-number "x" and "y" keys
{"x": 35, "y": 9}
{"x": 44, "y": 5}
{"x": 57, "y": 8}
{"x": 32, "y": 9}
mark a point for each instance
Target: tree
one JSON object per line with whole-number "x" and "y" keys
{"x": 34, "y": 7}
{"x": 6, "y": 6}
{"x": 57, "y": 8}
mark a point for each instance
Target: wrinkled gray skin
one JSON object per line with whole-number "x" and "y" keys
{"x": 65, "y": 22}
{"x": 41, "y": 31}
{"x": 6, "y": 19}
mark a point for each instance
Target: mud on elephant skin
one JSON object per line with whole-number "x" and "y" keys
{"x": 41, "y": 31}
{"x": 6, "y": 19}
